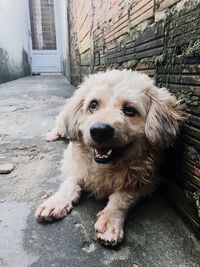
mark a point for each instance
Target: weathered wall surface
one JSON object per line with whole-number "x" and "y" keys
{"x": 161, "y": 38}
{"x": 62, "y": 32}
{"x": 14, "y": 61}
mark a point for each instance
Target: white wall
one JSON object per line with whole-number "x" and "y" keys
{"x": 14, "y": 28}
{"x": 14, "y": 36}
{"x": 62, "y": 31}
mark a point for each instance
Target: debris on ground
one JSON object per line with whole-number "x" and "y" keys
{"x": 48, "y": 194}
{"x": 6, "y": 168}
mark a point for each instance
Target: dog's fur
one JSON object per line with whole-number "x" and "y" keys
{"x": 140, "y": 139}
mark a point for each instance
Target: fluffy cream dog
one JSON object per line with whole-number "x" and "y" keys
{"x": 118, "y": 123}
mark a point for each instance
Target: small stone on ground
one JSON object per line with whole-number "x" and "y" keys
{"x": 6, "y": 168}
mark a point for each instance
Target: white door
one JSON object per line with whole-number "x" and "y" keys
{"x": 45, "y": 56}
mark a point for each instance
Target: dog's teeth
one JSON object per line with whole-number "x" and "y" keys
{"x": 105, "y": 156}
{"x": 109, "y": 152}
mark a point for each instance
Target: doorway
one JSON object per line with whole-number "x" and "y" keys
{"x": 45, "y": 48}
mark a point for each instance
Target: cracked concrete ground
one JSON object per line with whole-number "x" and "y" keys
{"x": 154, "y": 234}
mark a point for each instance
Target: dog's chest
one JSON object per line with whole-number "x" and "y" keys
{"x": 103, "y": 180}
{"x": 130, "y": 177}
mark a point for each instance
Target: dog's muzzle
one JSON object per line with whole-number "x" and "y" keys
{"x": 104, "y": 151}
{"x": 102, "y": 134}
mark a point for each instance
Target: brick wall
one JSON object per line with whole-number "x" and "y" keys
{"x": 162, "y": 39}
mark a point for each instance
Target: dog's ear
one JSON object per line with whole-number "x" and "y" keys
{"x": 73, "y": 113}
{"x": 163, "y": 118}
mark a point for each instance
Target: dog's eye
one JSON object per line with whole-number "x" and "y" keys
{"x": 129, "y": 111}
{"x": 93, "y": 105}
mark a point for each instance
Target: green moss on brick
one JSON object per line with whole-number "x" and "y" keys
{"x": 193, "y": 50}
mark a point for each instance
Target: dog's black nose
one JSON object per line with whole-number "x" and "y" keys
{"x": 101, "y": 132}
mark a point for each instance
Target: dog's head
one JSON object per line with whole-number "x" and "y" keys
{"x": 112, "y": 110}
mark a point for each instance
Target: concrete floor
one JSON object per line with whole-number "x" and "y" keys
{"x": 154, "y": 233}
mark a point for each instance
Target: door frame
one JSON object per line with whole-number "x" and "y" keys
{"x": 58, "y": 40}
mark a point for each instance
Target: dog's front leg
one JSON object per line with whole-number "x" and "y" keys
{"x": 109, "y": 226}
{"x": 60, "y": 128}
{"x": 61, "y": 203}
{"x": 53, "y": 135}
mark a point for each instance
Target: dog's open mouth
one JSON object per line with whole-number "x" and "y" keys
{"x": 103, "y": 155}
{"x": 106, "y": 154}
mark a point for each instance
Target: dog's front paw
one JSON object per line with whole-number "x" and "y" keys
{"x": 52, "y": 209}
{"x": 109, "y": 228}
{"x": 52, "y": 136}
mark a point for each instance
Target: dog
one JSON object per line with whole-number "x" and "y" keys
{"x": 119, "y": 124}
